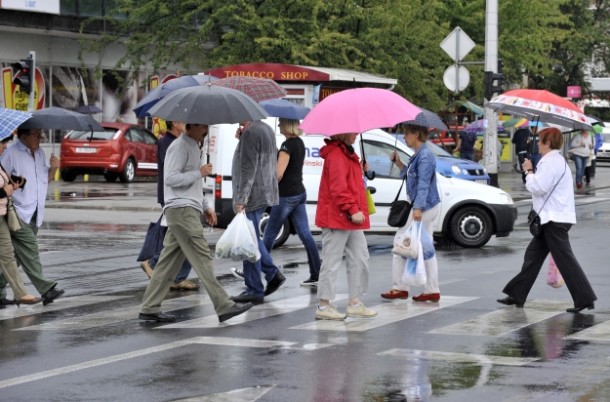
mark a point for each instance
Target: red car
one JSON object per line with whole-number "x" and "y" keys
{"x": 122, "y": 150}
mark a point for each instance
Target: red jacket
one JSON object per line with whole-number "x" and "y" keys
{"x": 342, "y": 191}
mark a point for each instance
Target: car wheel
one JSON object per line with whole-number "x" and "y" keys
{"x": 471, "y": 227}
{"x": 110, "y": 177}
{"x": 129, "y": 173}
{"x": 281, "y": 237}
{"x": 67, "y": 175}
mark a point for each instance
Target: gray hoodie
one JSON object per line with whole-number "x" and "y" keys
{"x": 254, "y": 168}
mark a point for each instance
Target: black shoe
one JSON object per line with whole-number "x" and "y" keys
{"x": 237, "y": 309}
{"x": 247, "y": 297}
{"x": 275, "y": 283}
{"x": 579, "y": 309}
{"x": 159, "y": 317}
{"x": 51, "y": 295}
{"x": 509, "y": 301}
{"x": 5, "y": 302}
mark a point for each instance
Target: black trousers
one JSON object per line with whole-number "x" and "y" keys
{"x": 556, "y": 241}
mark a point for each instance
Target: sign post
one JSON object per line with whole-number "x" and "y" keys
{"x": 457, "y": 45}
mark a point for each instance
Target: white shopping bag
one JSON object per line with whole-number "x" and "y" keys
{"x": 406, "y": 242}
{"x": 415, "y": 270}
{"x": 239, "y": 241}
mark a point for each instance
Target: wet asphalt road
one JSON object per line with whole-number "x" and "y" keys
{"x": 89, "y": 346}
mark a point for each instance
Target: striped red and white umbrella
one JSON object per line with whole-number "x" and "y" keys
{"x": 259, "y": 89}
{"x": 539, "y": 104}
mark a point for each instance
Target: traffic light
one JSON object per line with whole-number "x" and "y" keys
{"x": 23, "y": 74}
{"x": 488, "y": 84}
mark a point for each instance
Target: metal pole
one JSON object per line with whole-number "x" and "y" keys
{"x": 490, "y": 149}
{"x": 32, "y": 82}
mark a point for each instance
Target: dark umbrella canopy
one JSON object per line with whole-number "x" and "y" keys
{"x": 158, "y": 93}
{"x": 208, "y": 104}
{"x": 428, "y": 119}
{"x": 88, "y": 109}
{"x": 57, "y": 118}
{"x": 284, "y": 109}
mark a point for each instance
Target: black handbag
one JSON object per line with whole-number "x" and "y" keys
{"x": 399, "y": 210}
{"x": 533, "y": 219}
{"x": 153, "y": 242}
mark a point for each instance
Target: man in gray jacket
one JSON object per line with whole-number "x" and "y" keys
{"x": 255, "y": 189}
{"x": 184, "y": 205}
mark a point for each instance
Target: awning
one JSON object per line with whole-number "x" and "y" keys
{"x": 474, "y": 108}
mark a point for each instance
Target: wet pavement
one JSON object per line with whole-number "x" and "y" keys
{"x": 90, "y": 346}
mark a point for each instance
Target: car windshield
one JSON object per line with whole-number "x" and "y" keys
{"x": 97, "y": 135}
{"x": 606, "y": 137}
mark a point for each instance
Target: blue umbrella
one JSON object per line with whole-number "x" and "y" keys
{"x": 10, "y": 119}
{"x": 284, "y": 109}
{"x": 158, "y": 93}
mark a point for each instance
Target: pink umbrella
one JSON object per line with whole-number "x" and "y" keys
{"x": 358, "y": 110}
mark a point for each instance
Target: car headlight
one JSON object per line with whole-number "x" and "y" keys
{"x": 507, "y": 197}
{"x": 456, "y": 169}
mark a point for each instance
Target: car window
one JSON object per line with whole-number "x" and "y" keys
{"x": 377, "y": 156}
{"x": 86, "y": 135}
{"x": 134, "y": 135}
{"x": 148, "y": 137}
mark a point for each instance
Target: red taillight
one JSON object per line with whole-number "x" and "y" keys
{"x": 218, "y": 186}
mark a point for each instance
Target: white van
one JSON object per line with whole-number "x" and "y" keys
{"x": 603, "y": 154}
{"x": 470, "y": 212}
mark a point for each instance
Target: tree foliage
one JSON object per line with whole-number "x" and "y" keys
{"x": 542, "y": 43}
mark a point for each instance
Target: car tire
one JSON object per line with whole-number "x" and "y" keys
{"x": 282, "y": 236}
{"x": 67, "y": 175}
{"x": 110, "y": 177}
{"x": 129, "y": 173}
{"x": 471, "y": 227}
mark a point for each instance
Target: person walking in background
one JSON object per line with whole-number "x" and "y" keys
{"x": 553, "y": 200}
{"x": 292, "y": 197}
{"x": 25, "y": 158}
{"x": 465, "y": 145}
{"x": 597, "y": 144}
{"x": 8, "y": 263}
{"x": 174, "y": 129}
{"x": 184, "y": 207}
{"x": 581, "y": 148}
{"x": 520, "y": 141}
{"x": 422, "y": 193}
{"x": 342, "y": 213}
{"x": 255, "y": 188}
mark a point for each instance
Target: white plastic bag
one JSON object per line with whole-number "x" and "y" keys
{"x": 239, "y": 241}
{"x": 406, "y": 242}
{"x": 415, "y": 270}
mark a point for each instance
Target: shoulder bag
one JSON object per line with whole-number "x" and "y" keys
{"x": 533, "y": 219}
{"x": 399, "y": 210}
{"x": 12, "y": 219}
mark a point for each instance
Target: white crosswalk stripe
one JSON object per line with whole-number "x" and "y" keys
{"x": 387, "y": 313}
{"x": 454, "y": 357}
{"x": 505, "y": 320}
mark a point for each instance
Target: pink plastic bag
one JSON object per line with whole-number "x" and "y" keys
{"x": 553, "y": 277}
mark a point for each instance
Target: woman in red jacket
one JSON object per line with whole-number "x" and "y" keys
{"x": 342, "y": 214}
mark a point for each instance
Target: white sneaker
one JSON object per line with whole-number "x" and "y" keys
{"x": 238, "y": 272}
{"x": 329, "y": 313}
{"x": 360, "y": 311}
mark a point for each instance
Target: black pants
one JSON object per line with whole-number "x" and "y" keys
{"x": 556, "y": 241}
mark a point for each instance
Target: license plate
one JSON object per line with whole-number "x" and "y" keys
{"x": 86, "y": 150}
{"x": 481, "y": 181}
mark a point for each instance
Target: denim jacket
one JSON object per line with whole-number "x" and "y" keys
{"x": 421, "y": 179}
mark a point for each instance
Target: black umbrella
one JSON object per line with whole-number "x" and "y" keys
{"x": 88, "y": 109}
{"x": 57, "y": 118}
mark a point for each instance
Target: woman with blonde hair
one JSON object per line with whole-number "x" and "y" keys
{"x": 292, "y": 197}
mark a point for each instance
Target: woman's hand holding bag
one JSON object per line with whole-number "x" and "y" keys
{"x": 239, "y": 241}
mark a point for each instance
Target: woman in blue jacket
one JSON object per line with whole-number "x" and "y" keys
{"x": 423, "y": 195}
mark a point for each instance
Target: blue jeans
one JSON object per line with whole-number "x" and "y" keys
{"x": 252, "y": 271}
{"x": 293, "y": 207}
{"x": 186, "y": 266}
{"x": 580, "y": 162}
